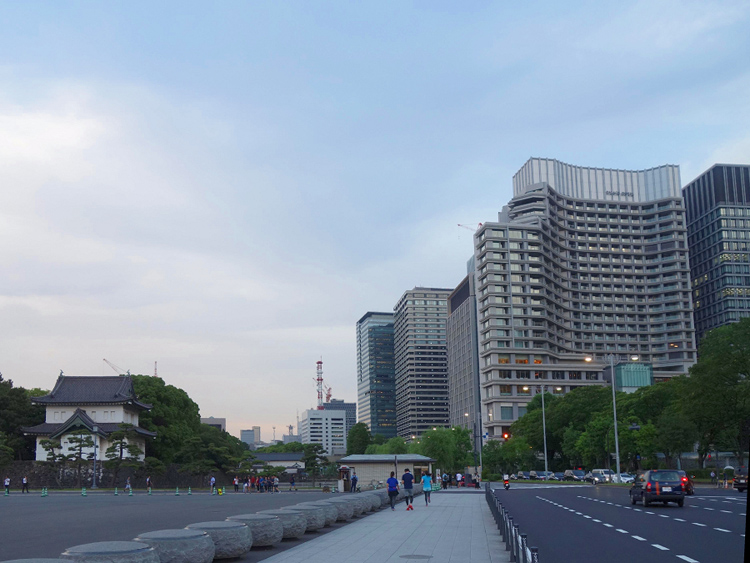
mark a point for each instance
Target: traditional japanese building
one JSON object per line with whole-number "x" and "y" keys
{"x": 97, "y": 405}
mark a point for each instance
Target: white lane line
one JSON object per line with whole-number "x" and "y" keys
{"x": 578, "y": 513}
{"x": 708, "y": 508}
{"x": 608, "y": 525}
{"x": 698, "y": 524}
{"x": 663, "y": 516}
{"x": 639, "y": 538}
{"x": 609, "y": 503}
{"x": 722, "y": 530}
{"x": 657, "y": 546}
{"x": 743, "y": 514}
{"x": 647, "y": 512}
{"x": 595, "y": 520}
{"x": 622, "y": 531}
{"x": 726, "y": 511}
{"x": 637, "y": 510}
{"x": 688, "y": 559}
{"x": 628, "y": 507}
{"x": 589, "y": 517}
{"x": 680, "y": 520}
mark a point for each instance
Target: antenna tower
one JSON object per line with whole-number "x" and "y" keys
{"x": 155, "y": 372}
{"x": 319, "y": 380}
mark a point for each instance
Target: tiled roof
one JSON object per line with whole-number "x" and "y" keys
{"x": 385, "y": 458}
{"x": 77, "y": 419}
{"x": 91, "y": 389}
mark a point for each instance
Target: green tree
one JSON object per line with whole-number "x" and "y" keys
{"x": 122, "y": 451}
{"x": 6, "y": 452}
{"x": 314, "y": 459}
{"x": 516, "y": 454}
{"x": 16, "y": 411}
{"x": 675, "y": 433}
{"x": 449, "y": 447}
{"x": 81, "y": 448}
{"x": 358, "y": 439}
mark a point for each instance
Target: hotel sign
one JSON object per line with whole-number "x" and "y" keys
{"x": 622, "y": 194}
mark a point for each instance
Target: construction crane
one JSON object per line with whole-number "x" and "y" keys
{"x": 473, "y": 230}
{"x": 119, "y": 370}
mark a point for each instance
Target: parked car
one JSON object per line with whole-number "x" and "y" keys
{"x": 597, "y": 476}
{"x": 524, "y": 475}
{"x": 544, "y": 475}
{"x": 557, "y": 476}
{"x": 687, "y": 482}
{"x": 658, "y": 486}
{"x": 533, "y": 476}
{"x": 574, "y": 475}
{"x": 740, "y": 479}
{"x": 627, "y": 478}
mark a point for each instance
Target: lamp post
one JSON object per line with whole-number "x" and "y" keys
{"x": 473, "y": 440}
{"x": 96, "y": 445}
{"x": 611, "y": 358}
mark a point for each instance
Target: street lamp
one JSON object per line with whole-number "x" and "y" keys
{"x": 95, "y": 429}
{"x": 611, "y": 358}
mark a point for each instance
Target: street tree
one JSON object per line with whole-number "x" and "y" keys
{"x": 358, "y": 439}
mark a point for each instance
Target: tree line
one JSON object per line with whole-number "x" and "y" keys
{"x": 707, "y": 410}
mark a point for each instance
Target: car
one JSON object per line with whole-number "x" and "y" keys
{"x": 557, "y": 476}
{"x": 740, "y": 479}
{"x": 687, "y": 482}
{"x": 663, "y": 485}
{"x": 533, "y": 475}
{"x": 626, "y": 478}
{"x": 544, "y": 475}
{"x": 574, "y": 475}
{"x": 597, "y": 476}
{"x": 525, "y": 475}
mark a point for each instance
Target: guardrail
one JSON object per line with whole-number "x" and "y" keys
{"x": 515, "y": 542}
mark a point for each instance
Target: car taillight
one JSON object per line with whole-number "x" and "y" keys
{"x": 684, "y": 479}
{"x": 648, "y": 486}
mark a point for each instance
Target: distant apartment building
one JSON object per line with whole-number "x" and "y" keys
{"x": 718, "y": 221}
{"x": 421, "y": 361}
{"x": 463, "y": 357}
{"x": 376, "y": 373}
{"x": 325, "y": 427}
{"x": 349, "y": 408}
{"x": 220, "y": 423}
{"x": 582, "y": 263}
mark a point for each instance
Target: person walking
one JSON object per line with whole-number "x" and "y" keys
{"x": 408, "y": 480}
{"x": 426, "y": 488}
{"x": 292, "y": 484}
{"x": 212, "y": 483}
{"x": 446, "y": 480}
{"x": 148, "y": 483}
{"x": 713, "y": 477}
{"x": 236, "y": 484}
{"x": 7, "y": 485}
{"x": 276, "y": 484}
{"x": 127, "y": 484}
{"x": 458, "y": 479}
{"x": 24, "y": 484}
{"x": 392, "y": 483}
{"x": 354, "y": 483}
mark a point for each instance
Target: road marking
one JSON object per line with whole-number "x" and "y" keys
{"x": 609, "y": 503}
{"x": 578, "y": 513}
{"x": 743, "y": 514}
{"x": 708, "y": 508}
{"x": 622, "y": 531}
{"x": 637, "y": 510}
{"x": 595, "y": 520}
{"x": 688, "y": 559}
{"x": 586, "y": 516}
{"x": 722, "y": 530}
{"x": 727, "y": 511}
{"x": 608, "y": 525}
{"x": 639, "y": 538}
{"x": 657, "y": 546}
{"x": 698, "y": 524}
{"x": 663, "y": 516}
{"x": 680, "y": 520}
{"x": 647, "y": 512}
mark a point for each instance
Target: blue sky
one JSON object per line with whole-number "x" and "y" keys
{"x": 227, "y": 187}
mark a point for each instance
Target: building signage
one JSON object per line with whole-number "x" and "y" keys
{"x": 623, "y": 194}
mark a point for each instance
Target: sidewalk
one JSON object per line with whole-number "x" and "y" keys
{"x": 455, "y": 528}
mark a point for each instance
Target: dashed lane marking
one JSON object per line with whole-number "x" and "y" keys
{"x": 680, "y": 520}
{"x": 608, "y": 525}
{"x": 657, "y": 546}
{"x": 622, "y": 531}
{"x": 722, "y": 530}
{"x": 698, "y": 524}
{"x": 639, "y": 538}
{"x": 596, "y": 520}
{"x": 688, "y": 559}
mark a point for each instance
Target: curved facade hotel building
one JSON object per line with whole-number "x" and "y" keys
{"x": 582, "y": 262}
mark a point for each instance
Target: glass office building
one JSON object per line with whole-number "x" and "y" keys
{"x": 718, "y": 220}
{"x": 376, "y": 376}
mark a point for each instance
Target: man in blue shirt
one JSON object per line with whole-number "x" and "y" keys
{"x": 408, "y": 480}
{"x": 392, "y": 489}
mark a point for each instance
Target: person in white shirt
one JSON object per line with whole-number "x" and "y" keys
{"x": 7, "y": 485}
{"x": 458, "y": 479}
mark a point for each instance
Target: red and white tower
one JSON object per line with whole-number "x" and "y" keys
{"x": 319, "y": 380}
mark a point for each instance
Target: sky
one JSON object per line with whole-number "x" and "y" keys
{"x": 227, "y": 187}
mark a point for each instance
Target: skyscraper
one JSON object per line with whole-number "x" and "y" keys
{"x": 376, "y": 376}
{"x": 349, "y": 408}
{"x": 582, "y": 263}
{"x": 718, "y": 221}
{"x": 421, "y": 363}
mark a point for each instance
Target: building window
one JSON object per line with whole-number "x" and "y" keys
{"x": 506, "y": 413}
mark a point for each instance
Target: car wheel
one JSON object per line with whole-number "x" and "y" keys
{"x": 632, "y": 498}
{"x": 645, "y": 502}
{"x": 681, "y": 502}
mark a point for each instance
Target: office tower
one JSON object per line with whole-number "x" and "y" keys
{"x": 421, "y": 363}
{"x": 349, "y": 408}
{"x": 464, "y": 402}
{"x": 247, "y": 436}
{"x": 582, "y": 263}
{"x": 256, "y": 433}
{"x": 376, "y": 375}
{"x": 220, "y": 423}
{"x": 325, "y": 427}
{"x": 718, "y": 220}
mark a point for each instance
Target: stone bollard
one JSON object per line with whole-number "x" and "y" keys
{"x": 36, "y": 561}
{"x": 346, "y": 509}
{"x": 293, "y": 523}
{"x": 375, "y": 502}
{"x": 330, "y": 511}
{"x": 315, "y": 516}
{"x": 266, "y": 529}
{"x": 180, "y": 546}
{"x": 231, "y": 539}
{"x": 111, "y": 552}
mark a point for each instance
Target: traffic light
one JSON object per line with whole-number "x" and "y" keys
{"x": 506, "y": 435}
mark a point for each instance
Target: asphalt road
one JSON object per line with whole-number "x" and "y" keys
{"x": 592, "y": 524}
{"x": 32, "y": 526}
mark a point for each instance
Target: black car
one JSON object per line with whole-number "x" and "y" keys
{"x": 658, "y": 486}
{"x": 687, "y": 482}
{"x": 740, "y": 479}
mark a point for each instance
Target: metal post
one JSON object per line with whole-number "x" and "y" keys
{"x": 544, "y": 431}
{"x": 534, "y": 554}
{"x": 523, "y": 548}
{"x": 614, "y": 410}
{"x": 93, "y": 483}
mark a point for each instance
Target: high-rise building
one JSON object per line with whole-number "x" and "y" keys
{"x": 463, "y": 356}
{"x": 582, "y": 263}
{"x": 421, "y": 363}
{"x": 718, "y": 221}
{"x": 376, "y": 374}
{"x": 349, "y": 408}
{"x": 250, "y": 436}
{"x": 325, "y": 427}
{"x": 220, "y": 423}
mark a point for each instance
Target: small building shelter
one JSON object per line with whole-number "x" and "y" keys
{"x": 374, "y": 469}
